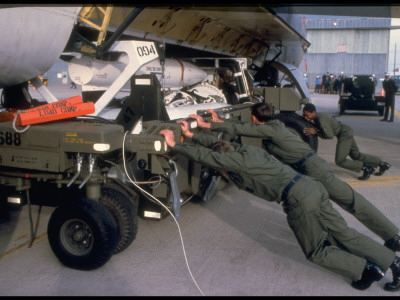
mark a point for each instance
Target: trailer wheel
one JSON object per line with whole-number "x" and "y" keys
{"x": 125, "y": 212}
{"x": 82, "y": 234}
{"x": 296, "y": 124}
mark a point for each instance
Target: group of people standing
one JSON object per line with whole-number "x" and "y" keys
{"x": 328, "y": 84}
{"x": 287, "y": 171}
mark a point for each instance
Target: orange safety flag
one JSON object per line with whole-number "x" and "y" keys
{"x": 60, "y": 103}
{"x": 52, "y": 114}
{"x": 10, "y": 113}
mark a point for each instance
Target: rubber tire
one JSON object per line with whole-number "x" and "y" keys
{"x": 125, "y": 212}
{"x": 101, "y": 225}
{"x": 296, "y": 124}
{"x": 342, "y": 108}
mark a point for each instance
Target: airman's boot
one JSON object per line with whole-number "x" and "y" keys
{"x": 395, "y": 284}
{"x": 393, "y": 243}
{"x": 370, "y": 274}
{"x": 383, "y": 166}
{"x": 368, "y": 170}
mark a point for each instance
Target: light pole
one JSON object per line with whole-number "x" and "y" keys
{"x": 394, "y": 67}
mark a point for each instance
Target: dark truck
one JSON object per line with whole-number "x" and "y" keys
{"x": 358, "y": 93}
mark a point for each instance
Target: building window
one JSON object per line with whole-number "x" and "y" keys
{"x": 341, "y": 48}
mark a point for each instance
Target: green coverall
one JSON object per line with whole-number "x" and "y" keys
{"x": 310, "y": 214}
{"x": 328, "y": 127}
{"x": 289, "y": 148}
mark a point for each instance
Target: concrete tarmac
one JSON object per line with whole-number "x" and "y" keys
{"x": 235, "y": 244}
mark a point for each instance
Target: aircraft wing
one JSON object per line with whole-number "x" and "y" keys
{"x": 232, "y": 31}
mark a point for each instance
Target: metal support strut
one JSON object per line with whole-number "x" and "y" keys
{"x": 78, "y": 167}
{"x": 175, "y": 195}
{"x": 91, "y": 168}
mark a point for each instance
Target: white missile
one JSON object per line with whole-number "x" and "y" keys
{"x": 89, "y": 71}
{"x": 177, "y": 73}
{"x": 85, "y": 70}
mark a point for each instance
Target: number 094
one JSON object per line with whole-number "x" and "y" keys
{"x": 146, "y": 50}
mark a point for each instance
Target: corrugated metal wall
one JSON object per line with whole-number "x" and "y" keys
{"x": 349, "y": 63}
{"x": 358, "y": 46}
{"x": 348, "y": 22}
{"x": 355, "y": 41}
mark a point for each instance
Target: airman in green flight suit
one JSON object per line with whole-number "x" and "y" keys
{"x": 327, "y": 127}
{"x": 290, "y": 149}
{"x": 321, "y": 231}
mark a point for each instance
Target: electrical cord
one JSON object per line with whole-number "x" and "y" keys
{"x": 158, "y": 182}
{"x": 153, "y": 184}
{"x": 159, "y": 202}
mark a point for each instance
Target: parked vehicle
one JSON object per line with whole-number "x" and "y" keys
{"x": 358, "y": 93}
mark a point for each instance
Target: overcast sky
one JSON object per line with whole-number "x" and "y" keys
{"x": 394, "y": 42}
